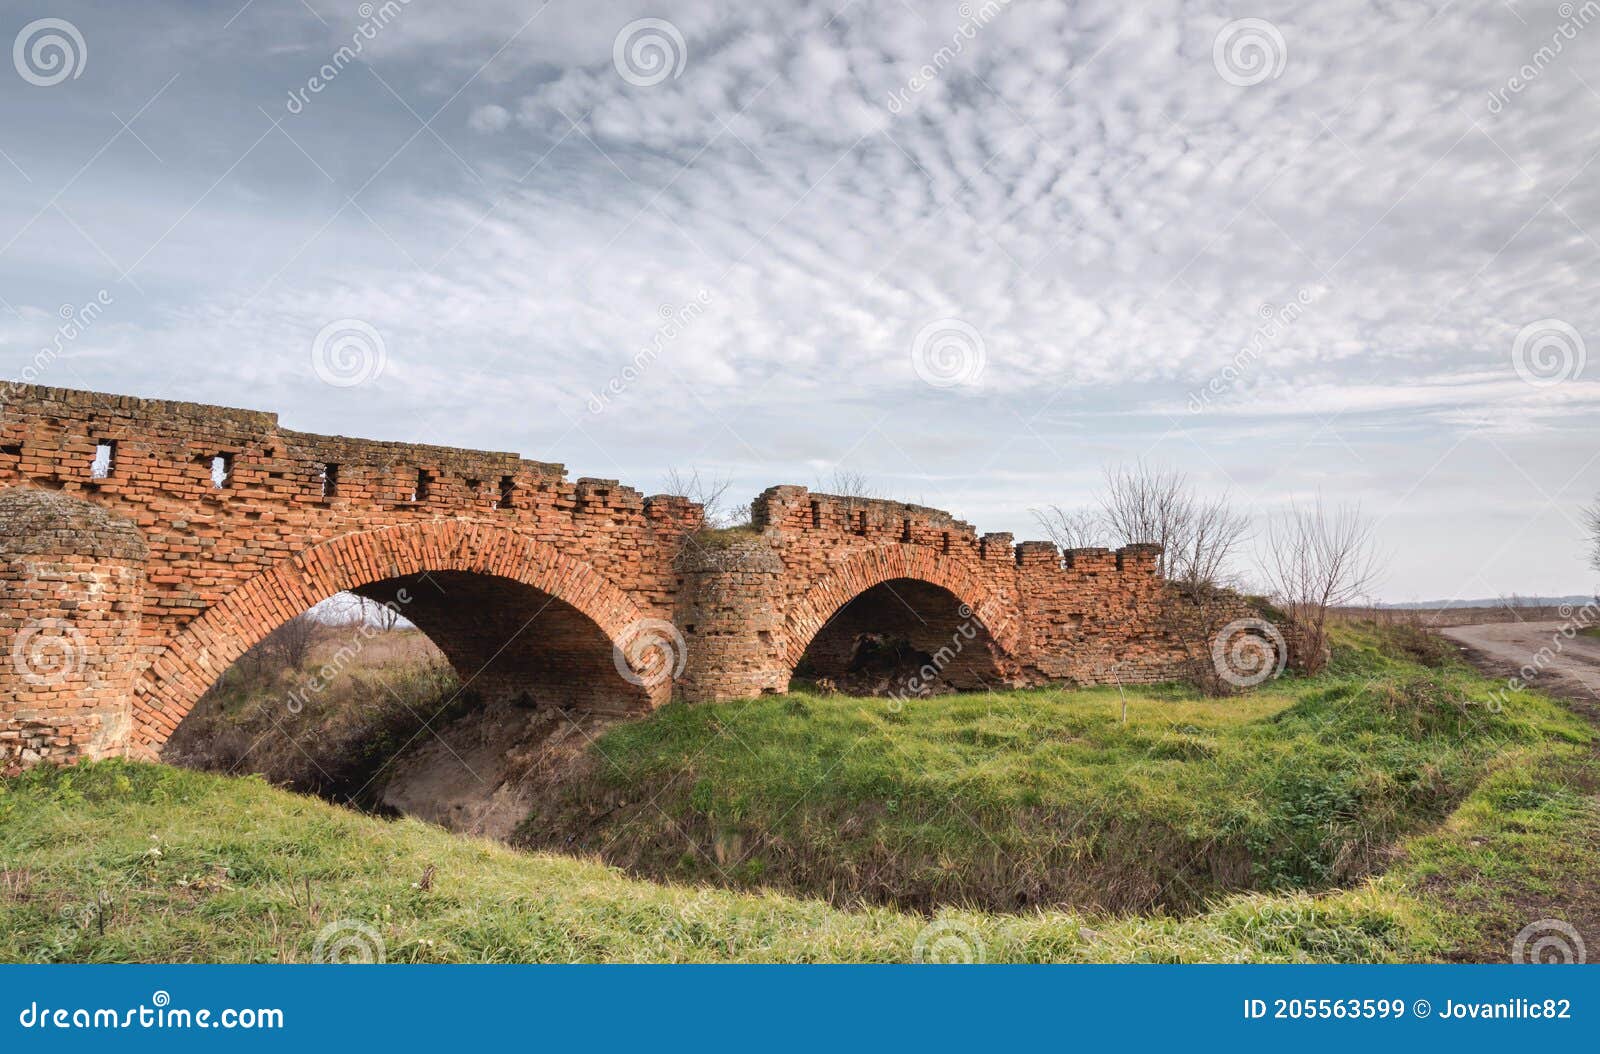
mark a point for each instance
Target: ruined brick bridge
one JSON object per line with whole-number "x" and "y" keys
{"x": 145, "y": 545}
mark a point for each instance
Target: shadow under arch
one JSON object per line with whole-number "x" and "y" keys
{"x": 511, "y": 614}
{"x": 930, "y": 614}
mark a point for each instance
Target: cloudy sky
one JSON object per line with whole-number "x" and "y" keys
{"x": 973, "y": 251}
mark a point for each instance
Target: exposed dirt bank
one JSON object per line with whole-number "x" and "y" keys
{"x": 480, "y": 773}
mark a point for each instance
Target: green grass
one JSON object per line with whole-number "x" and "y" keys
{"x": 335, "y": 742}
{"x": 118, "y": 861}
{"x": 1045, "y": 798}
{"x": 197, "y": 867}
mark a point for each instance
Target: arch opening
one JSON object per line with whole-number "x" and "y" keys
{"x": 903, "y": 636}
{"x": 503, "y": 641}
{"x": 512, "y": 642}
{"x": 510, "y": 612}
{"x": 422, "y": 698}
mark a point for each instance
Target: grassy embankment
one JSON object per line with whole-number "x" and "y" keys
{"x": 1044, "y": 798}
{"x": 1488, "y": 821}
{"x": 329, "y": 728}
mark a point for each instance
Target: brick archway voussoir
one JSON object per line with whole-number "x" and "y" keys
{"x": 865, "y": 570}
{"x": 175, "y": 680}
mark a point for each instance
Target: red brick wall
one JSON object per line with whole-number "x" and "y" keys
{"x": 71, "y": 585}
{"x": 1087, "y": 616}
{"x": 493, "y": 547}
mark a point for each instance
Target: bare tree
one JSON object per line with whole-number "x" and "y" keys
{"x": 1145, "y": 504}
{"x": 1198, "y": 537}
{"x": 847, "y": 483}
{"x": 291, "y": 642}
{"x": 1514, "y": 605}
{"x": 1072, "y": 528}
{"x": 710, "y": 492}
{"x": 1591, "y": 522}
{"x": 1206, "y": 542}
{"x": 385, "y": 617}
{"x": 854, "y": 487}
{"x": 1318, "y": 558}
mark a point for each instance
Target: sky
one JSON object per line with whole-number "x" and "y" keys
{"x": 975, "y": 252}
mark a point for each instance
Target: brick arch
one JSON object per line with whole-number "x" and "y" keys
{"x": 864, "y": 570}
{"x": 175, "y": 681}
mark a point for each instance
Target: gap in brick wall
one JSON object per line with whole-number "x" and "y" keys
{"x": 221, "y": 470}
{"x": 105, "y": 452}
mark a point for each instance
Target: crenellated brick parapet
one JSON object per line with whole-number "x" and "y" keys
{"x": 173, "y": 536}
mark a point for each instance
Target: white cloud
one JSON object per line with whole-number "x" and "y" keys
{"x": 489, "y": 118}
{"x": 1075, "y": 181}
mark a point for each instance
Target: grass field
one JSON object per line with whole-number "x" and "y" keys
{"x": 1046, "y": 798}
{"x": 1487, "y": 822}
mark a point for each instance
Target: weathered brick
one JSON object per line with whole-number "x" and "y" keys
{"x": 528, "y": 581}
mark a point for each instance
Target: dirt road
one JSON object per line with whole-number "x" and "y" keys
{"x": 1570, "y": 665}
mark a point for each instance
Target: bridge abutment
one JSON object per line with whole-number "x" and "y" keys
{"x": 731, "y": 613}
{"x": 72, "y": 580}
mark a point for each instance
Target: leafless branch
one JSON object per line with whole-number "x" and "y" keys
{"x": 852, "y": 486}
{"x": 1199, "y": 538}
{"x": 1072, "y": 528}
{"x": 711, "y": 493}
{"x": 1591, "y": 522}
{"x": 1318, "y": 558}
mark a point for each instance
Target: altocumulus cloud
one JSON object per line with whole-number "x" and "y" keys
{"x": 1116, "y": 218}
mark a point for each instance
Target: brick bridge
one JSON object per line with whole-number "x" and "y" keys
{"x": 145, "y": 545}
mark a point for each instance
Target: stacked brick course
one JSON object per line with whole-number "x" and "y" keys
{"x": 176, "y": 535}
{"x": 71, "y": 585}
